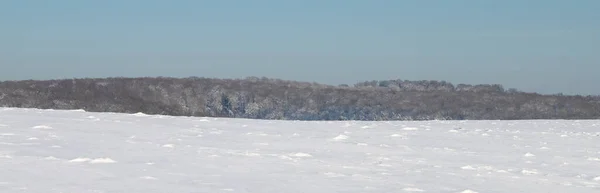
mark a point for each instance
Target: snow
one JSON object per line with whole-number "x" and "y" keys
{"x": 412, "y": 190}
{"x": 102, "y": 161}
{"x": 80, "y": 159}
{"x": 340, "y": 137}
{"x": 169, "y": 145}
{"x": 529, "y": 155}
{"x": 42, "y": 127}
{"x": 410, "y": 129}
{"x": 77, "y": 151}
{"x": 301, "y": 155}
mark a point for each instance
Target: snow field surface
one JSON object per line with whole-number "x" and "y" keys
{"x": 76, "y": 151}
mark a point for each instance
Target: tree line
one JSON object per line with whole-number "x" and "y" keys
{"x": 265, "y": 98}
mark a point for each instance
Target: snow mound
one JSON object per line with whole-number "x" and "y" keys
{"x": 529, "y": 155}
{"x": 413, "y": 190}
{"x": 333, "y": 174}
{"x": 529, "y": 172}
{"x": 169, "y": 145}
{"x": 148, "y": 178}
{"x": 340, "y": 138}
{"x": 92, "y": 161}
{"x": 140, "y": 114}
{"x": 468, "y": 167}
{"x": 51, "y": 158}
{"x": 42, "y": 127}
{"x": 593, "y": 159}
{"x": 80, "y": 159}
{"x": 102, "y": 161}
{"x": 300, "y": 154}
{"x": 410, "y": 128}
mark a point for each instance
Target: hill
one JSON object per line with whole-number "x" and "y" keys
{"x": 264, "y": 98}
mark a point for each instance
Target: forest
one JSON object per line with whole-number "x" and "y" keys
{"x": 266, "y": 98}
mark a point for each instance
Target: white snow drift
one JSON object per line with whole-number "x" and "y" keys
{"x": 76, "y": 151}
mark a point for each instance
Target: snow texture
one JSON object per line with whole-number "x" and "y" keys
{"x": 76, "y": 151}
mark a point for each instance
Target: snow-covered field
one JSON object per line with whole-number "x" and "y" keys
{"x": 79, "y": 152}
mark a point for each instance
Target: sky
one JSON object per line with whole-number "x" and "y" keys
{"x": 546, "y": 46}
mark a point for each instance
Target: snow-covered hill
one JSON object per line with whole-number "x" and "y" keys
{"x": 75, "y": 151}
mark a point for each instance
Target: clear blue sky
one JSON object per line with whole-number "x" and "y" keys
{"x": 546, "y": 46}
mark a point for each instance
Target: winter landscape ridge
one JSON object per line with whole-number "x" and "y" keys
{"x": 276, "y": 99}
{"x": 85, "y": 152}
